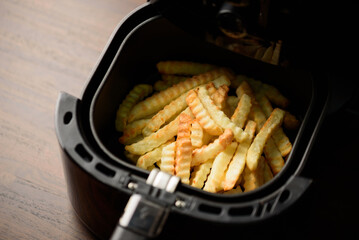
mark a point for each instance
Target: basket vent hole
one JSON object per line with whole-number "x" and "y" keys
{"x": 105, "y": 170}
{"x": 84, "y": 154}
{"x": 209, "y": 209}
{"x": 67, "y": 117}
{"x": 259, "y": 210}
{"x": 284, "y": 196}
{"x": 241, "y": 211}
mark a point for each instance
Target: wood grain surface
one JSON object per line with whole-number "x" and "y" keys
{"x": 46, "y": 46}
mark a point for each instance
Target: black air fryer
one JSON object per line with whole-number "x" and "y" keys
{"x": 117, "y": 200}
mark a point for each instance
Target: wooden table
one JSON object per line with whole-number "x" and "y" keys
{"x": 46, "y": 46}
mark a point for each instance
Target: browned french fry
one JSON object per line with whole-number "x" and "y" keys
{"x": 201, "y": 114}
{"x": 220, "y": 96}
{"x": 157, "y": 101}
{"x": 211, "y": 88}
{"x": 256, "y": 148}
{"x": 200, "y": 174}
{"x": 273, "y": 156}
{"x": 168, "y": 158}
{"x": 203, "y": 154}
{"x": 183, "y": 148}
{"x": 219, "y": 116}
{"x": 238, "y": 162}
{"x": 275, "y": 96}
{"x": 183, "y": 67}
{"x": 151, "y": 157}
{"x": 214, "y": 181}
{"x": 134, "y": 96}
{"x": 290, "y": 121}
{"x": 157, "y": 138}
{"x": 132, "y": 130}
{"x": 242, "y": 110}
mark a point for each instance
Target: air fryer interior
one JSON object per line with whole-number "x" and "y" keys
{"x": 157, "y": 39}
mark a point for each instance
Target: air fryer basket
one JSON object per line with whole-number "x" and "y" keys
{"x": 97, "y": 172}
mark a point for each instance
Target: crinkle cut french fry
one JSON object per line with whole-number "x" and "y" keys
{"x": 256, "y": 112}
{"x": 282, "y": 141}
{"x": 275, "y": 96}
{"x": 254, "y": 179}
{"x": 169, "y": 111}
{"x": 157, "y": 138}
{"x": 273, "y": 156}
{"x": 238, "y": 162}
{"x": 134, "y": 96}
{"x": 183, "y": 67}
{"x": 183, "y": 148}
{"x": 242, "y": 110}
{"x": 276, "y": 53}
{"x": 151, "y": 157}
{"x": 211, "y": 88}
{"x": 220, "y": 163}
{"x": 256, "y": 148}
{"x": 132, "y": 130}
{"x": 157, "y": 101}
{"x": 203, "y": 154}
{"x": 219, "y": 97}
{"x": 267, "y": 174}
{"x": 267, "y": 57}
{"x": 201, "y": 114}
{"x": 219, "y": 116}
{"x": 168, "y": 158}
{"x": 196, "y": 134}
{"x": 200, "y": 174}
{"x": 232, "y": 102}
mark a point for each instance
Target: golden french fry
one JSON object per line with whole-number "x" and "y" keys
{"x": 134, "y": 96}
{"x": 203, "y": 154}
{"x": 168, "y": 158}
{"x": 275, "y": 96}
{"x": 157, "y": 101}
{"x": 151, "y": 157}
{"x": 211, "y": 88}
{"x": 220, "y": 163}
{"x": 168, "y": 112}
{"x": 232, "y": 102}
{"x": 276, "y": 53}
{"x": 183, "y": 67}
{"x": 290, "y": 121}
{"x": 196, "y": 134}
{"x": 157, "y": 138}
{"x": 282, "y": 141}
{"x": 238, "y": 162}
{"x": 242, "y": 110}
{"x": 219, "y": 116}
{"x": 200, "y": 174}
{"x": 201, "y": 114}
{"x": 256, "y": 112}
{"x": 256, "y": 148}
{"x": 273, "y": 156}
{"x": 267, "y": 56}
{"x": 183, "y": 148}
{"x": 267, "y": 174}
{"x": 132, "y": 130}
{"x": 254, "y": 179}
{"x": 220, "y": 96}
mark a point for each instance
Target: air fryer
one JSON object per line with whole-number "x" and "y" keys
{"x": 116, "y": 199}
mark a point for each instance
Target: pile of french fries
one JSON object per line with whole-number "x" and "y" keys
{"x": 188, "y": 124}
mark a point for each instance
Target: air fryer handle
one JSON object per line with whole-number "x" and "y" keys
{"x": 122, "y": 233}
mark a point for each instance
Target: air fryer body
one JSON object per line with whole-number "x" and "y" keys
{"x": 99, "y": 178}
